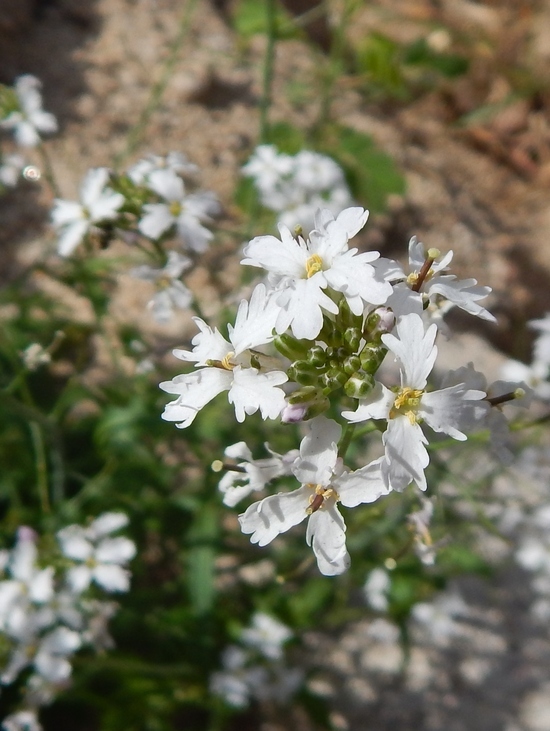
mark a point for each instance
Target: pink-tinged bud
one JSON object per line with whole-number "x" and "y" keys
{"x": 293, "y": 413}
{"x": 25, "y": 533}
{"x": 387, "y": 320}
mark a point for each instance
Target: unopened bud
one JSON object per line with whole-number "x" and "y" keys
{"x": 359, "y": 385}
{"x": 352, "y": 338}
{"x": 303, "y": 373}
{"x": 290, "y": 347}
{"x": 372, "y": 357}
{"x": 317, "y": 356}
{"x": 379, "y": 322}
{"x": 351, "y": 364}
{"x": 334, "y": 378}
{"x": 303, "y": 395}
{"x": 294, "y": 413}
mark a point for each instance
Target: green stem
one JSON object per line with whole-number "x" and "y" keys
{"x": 41, "y": 466}
{"x": 346, "y": 440}
{"x": 158, "y": 89}
{"x": 269, "y": 61}
{"x": 48, "y": 170}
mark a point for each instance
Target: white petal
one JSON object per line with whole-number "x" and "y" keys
{"x": 112, "y": 577}
{"x": 318, "y": 452}
{"x": 454, "y": 409}
{"x": 156, "y": 221}
{"x": 255, "y": 321}
{"x": 167, "y": 184}
{"x": 365, "y": 485}
{"x": 276, "y": 514}
{"x": 106, "y": 207}
{"x": 196, "y": 390}
{"x": 301, "y": 302}
{"x": 377, "y": 405}
{"x": 78, "y": 578}
{"x": 93, "y": 185}
{"x": 41, "y": 586}
{"x": 71, "y": 237}
{"x": 406, "y": 455}
{"x": 414, "y": 349}
{"x": 74, "y": 542}
{"x": 115, "y": 550}
{"x": 108, "y": 523}
{"x": 326, "y": 534}
{"x": 287, "y": 257}
{"x": 252, "y": 390}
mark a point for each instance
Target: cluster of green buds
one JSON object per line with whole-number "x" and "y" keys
{"x": 346, "y": 355}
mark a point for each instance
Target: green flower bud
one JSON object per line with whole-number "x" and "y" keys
{"x": 351, "y": 364}
{"x": 372, "y": 356}
{"x": 290, "y": 347}
{"x": 303, "y": 372}
{"x": 317, "y": 356}
{"x": 359, "y": 385}
{"x": 334, "y": 378}
{"x": 352, "y": 338}
{"x": 304, "y": 394}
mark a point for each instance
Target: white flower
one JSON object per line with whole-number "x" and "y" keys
{"x": 256, "y": 472}
{"x": 266, "y": 635}
{"x": 176, "y": 162}
{"x": 300, "y": 270}
{"x": 376, "y": 589}
{"x": 186, "y": 212}
{"x": 25, "y": 720}
{"x": 541, "y": 348}
{"x": 30, "y": 119}
{"x": 449, "y": 410}
{"x": 171, "y": 292}
{"x": 10, "y": 169}
{"x": 50, "y": 660}
{"x": 74, "y": 220}
{"x": 324, "y": 484}
{"x": 230, "y": 366}
{"x": 436, "y": 289}
{"x": 100, "y": 558}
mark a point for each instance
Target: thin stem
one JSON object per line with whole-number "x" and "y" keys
{"x": 48, "y": 170}
{"x": 269, "y": 61}
{"x": 158, "y": 89}
{"x": 346, "y": 440}
{"x": 41, "y": 465}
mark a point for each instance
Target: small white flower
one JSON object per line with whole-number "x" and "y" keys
{"x": 324, "y": 484}
{"x": 186, "y": 213}
{"x": 301, "y": 270}
{"x": 30, "y": 119}
{"x": 266, "y": 635}
{"x": 74, "y": 220}
{"x": 257, "y": 472}
{"x": 176, "y": 162}
{"x": 376, "y": 589}
{"x": 100, "y": 558}
{"x": 230, "y": 365}
{"x": 10, "y": 169}
{"x": 437, "y": 291}
{"x": 449, "y": 410}
{"x": 25, "y": 720}
{"x": 172, "y": 293}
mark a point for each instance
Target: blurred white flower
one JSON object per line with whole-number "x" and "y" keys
{"x": 11, "y": 167}
{"x": 25, "y": 720}
{"x": 100, "y": 557}
{"x": 376, "y": 589}
{"x": 176, "y": 162}
{"x": 266, "y": 635}
{"x": 30, "y": 120}
{"x": 171, "y": 292}
{"x": 74, "y": 220}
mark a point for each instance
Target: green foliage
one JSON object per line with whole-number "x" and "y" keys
{"x": 251, "y": 17}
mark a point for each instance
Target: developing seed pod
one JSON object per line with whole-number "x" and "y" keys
{"x": 359, "y": 385}
{"x": 290, "y": 347}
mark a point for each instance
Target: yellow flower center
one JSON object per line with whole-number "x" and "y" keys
{"x": 175, "y": 208}
{"x": 313, "y": 265}
{"x": 406, "y": 403}
{"x": 321, "y": 494}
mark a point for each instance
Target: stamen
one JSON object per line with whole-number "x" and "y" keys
{"x": 425, "y": 272}
{"x": 506, "y": 397}
{"x": 406, "y": 402}
{"x": 317, "y": 500}
{"x": 175, "y": 208}
{"x": 225, "y": 363}
{"x": 313, "y": 265}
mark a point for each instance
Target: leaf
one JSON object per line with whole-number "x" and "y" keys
{"x": 250, "y": 17}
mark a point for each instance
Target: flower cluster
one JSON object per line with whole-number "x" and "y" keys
{"x": 255, "y": 669}
{"x": 332, "y": 317}
{"x": 46, "y": 611}
{"x": 296, "y": 186}
{"x": 21, "y": 111}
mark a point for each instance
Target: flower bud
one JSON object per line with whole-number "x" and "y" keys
{"x": 359, "y": 385}
{"x": 290, "y": 347}
{"x": 317, "y": 356}
{"x": 351, "y": 364}
{"x": 294, "y": 413}
{"x": 303, "y": 372}
{"x": 334, "y": 378}
{"x": 372, "y": 356}
{"x": 303, "y": 395}
{"x": 352, "y": 338}
{"x": 329, "y": 333}
{"x": 380, "y": 321}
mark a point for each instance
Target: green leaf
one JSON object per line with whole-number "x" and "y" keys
{"x": 286, "y": 138}
{"x": 448, "y": 64}
{"x": 250, "y": 17}
{"x": 371, "y": 173}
